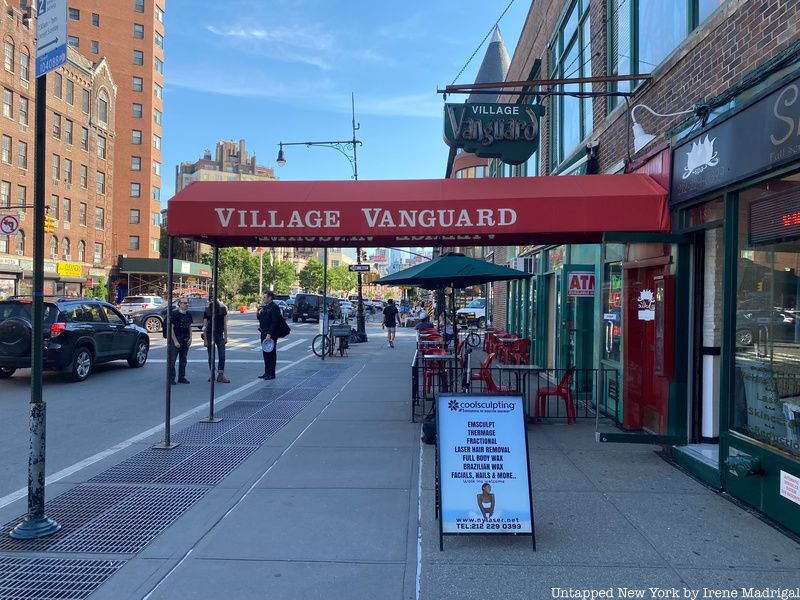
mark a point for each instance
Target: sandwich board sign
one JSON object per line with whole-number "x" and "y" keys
{"x": 484, "y": 475}
{"x": 51, "y": 35}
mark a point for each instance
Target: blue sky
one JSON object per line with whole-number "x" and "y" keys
{"x": 283, "y": 70}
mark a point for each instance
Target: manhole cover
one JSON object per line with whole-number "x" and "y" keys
{"x": 51, "y": 578}
{"x": 252, "y": 433}
{"x": 209, "y": 466}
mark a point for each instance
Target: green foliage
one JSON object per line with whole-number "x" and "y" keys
{"x": 341, "y": 280}
{"x": 98, "y": 290}
{"x": 310, "y": 276}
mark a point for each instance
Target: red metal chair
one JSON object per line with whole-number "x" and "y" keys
{"x": 504, "y": 348}
{"x": 519, "y": 353}
{"x": 487, "y": 334}
{"x": 488, "y": 381}
{"x": 432, "y": 369}
{"x": 562, "y": 391}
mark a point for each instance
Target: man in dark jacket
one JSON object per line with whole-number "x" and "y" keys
{"x": 180, "y": 339}
{"x": 269, "y": 316}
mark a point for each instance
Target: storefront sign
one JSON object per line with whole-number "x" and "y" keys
{"x": 775, "y": 218}
{"x": 12, "y": 262}
{"x": 66, "y": 269}
{"x": 790, "y": 487}
{"x": 484, "y": 479}
{"x": 186, "y": 268}
{"x": 647, "y": 306}
{"x": 97, "y": 272}
{"x": 761, "y": 137}
{"x": 49, "y": 267}
{"x": 509, "y": 132}
{"x": 580, "y": 283}
{"x": 204, "y": 273}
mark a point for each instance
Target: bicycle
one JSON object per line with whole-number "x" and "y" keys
{"x": 326, "y": 342}
{"x": 472, "y": 337}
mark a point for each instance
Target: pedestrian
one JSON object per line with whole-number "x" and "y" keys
{"x": 446, "y": 329}
{"x": 180, "y": 339}
{"x": 424, "y": 322}
{"x": 269, "y": 317}
{"x": 390, "y": 315}
{"x": 218, "y": 337}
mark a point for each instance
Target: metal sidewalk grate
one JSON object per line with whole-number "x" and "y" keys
{"x": 72, "y": 510}
{"x": 281, "y": 410}
{"x": 252, "y": 433}
{"x": 241, "y": 410}
{"x": 209, "y": 465}
{"x": 52, "y": 578}
{"x": 265, "y": 394}
{"x": 203, "y": 433}
{"x": 131, "y": 524}
{"x": 145, "y": 466}
{"x": 300, "y": 395}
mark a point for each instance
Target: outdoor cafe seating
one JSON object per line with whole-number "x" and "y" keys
{"x": 561, "y": 391}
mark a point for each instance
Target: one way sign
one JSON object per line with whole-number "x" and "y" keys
{"x": 358, "y": 268}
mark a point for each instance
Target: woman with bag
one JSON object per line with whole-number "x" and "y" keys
{"x": 271, "y": 326}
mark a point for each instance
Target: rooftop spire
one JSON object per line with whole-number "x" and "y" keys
{"x": 493, "y": 68}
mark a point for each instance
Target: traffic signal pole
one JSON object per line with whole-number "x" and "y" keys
{"x": 36, "y": 523}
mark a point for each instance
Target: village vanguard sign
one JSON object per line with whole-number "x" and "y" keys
{"x": 509, "y": 132}
{"x": 376, "y": 219}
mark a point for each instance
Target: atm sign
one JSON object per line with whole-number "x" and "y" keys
{"x": 580, "y": 283}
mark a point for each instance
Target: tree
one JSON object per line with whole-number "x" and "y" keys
{"x": 310, "y": 276}
{"x": 284, "y": 277}
{"x": 340, "y": 279}
{"x": 231, "y": 281}
{"x": 238, "y": 270}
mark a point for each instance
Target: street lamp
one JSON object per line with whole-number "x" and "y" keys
{"x": 346, "y": 148}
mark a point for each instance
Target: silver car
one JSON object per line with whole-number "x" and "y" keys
{"x": 132, "y": 304}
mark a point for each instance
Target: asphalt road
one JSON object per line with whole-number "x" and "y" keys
{"x": 117, "y": 403}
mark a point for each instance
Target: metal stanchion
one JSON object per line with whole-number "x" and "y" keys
{"x": 210, "y": 338}
{"x": 171, "y": 350}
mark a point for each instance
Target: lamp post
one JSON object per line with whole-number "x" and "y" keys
{"x": 346, "y": 148}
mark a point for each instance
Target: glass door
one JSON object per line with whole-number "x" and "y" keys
{"x": 577, "y": 324}
{"x": 611, "y": 352}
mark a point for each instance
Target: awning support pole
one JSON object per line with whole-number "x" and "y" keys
{"x": 171, "y": 350}
{"x": 323, "y": 310}
{"x": 210, "y": 334}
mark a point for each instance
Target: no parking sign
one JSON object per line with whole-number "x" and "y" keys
{"x": 9, "y": 225}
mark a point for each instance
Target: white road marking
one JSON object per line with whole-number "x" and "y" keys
{"x": 22, "y": 492}
{"x": 227, "y": 360}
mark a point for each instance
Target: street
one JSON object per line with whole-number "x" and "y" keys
{"x": 117, "y": 403}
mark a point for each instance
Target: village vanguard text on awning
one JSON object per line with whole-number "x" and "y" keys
{"x": 416, "y": 212}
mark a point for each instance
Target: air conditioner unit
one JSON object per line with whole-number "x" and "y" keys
{"x": 24, "y": 84}
{"x": 67, "y": 257}
{"x": 53, "y": 255}
{"x": 23, "y": 128}
{"x": 19, "y": 252}
{"x": 522, "y": 264}
{"x": 55, "y": 181}
{"x": 66, "y": 225}
{"x": 21, "y": 217}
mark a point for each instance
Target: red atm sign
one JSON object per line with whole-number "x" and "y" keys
{"x": 580, "y": 283}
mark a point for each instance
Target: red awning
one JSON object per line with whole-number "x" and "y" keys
{"x": 430, "y": 212}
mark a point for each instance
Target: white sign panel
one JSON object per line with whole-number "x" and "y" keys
{"x": 51, "y": 35}
{"x": 483, "y": 462}
{"x": 580, "y": 283}
{"x": 790, "y": 487}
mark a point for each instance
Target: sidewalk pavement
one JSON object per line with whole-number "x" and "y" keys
{"x": 310, "y": 488}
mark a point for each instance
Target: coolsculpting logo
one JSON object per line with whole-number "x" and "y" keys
{"x": 480, "y": 405}
{"x": 700, "y": 156}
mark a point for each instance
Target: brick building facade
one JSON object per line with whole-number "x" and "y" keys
{"x": 79, "y": 162}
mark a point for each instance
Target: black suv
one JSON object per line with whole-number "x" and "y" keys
{"x": 306, "y": 306}
{"x": 78, "y": 333}
{"x": 152, "y": 319}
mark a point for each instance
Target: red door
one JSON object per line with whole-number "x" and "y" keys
{"x": 648, "y": 351}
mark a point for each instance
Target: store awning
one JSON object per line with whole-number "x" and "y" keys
{"x": 475, "y": 212}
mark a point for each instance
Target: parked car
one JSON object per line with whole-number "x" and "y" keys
{"x": 761, "y": 324}
{"x": 286, "y": 311}
{"x": 306, "y": 307}
{"x": 473, "y": 313}
{"x": 152, "y": 319}
{"x": 131, "y": 304}
{"x": 78, "y": 334}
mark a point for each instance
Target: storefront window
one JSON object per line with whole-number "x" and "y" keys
{"x": 555, "y": 258}
{"x": 766, "y": 372}
{"x": 612, "y": 311}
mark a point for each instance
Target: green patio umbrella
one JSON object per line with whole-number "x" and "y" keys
{"x": 453, "y": 270}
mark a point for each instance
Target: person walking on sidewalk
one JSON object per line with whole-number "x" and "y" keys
{"x": 390, "y": 316}
{"x": 269, "y": 316}
{"x": 218, "y": 337}
{"x": 180, "y": 339}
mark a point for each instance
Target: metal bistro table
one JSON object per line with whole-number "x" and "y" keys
{"x": 522, "y": 372}
{"x": 507, "y": 340}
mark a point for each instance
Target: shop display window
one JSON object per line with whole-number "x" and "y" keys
{"x": 766, "y": 373}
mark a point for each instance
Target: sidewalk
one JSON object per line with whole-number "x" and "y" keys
{"x": 310, "y": 488}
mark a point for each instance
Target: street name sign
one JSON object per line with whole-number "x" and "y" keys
{"x": 51, "y": 35}
{"x": 358, "y": 268}
{"x": 484, "y": 475}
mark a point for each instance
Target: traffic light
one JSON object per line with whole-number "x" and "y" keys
{"x": 362, "y": 257}
{"x": 49, "y": 224}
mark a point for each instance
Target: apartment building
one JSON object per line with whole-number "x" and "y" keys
{"x": 129, "y": 34}
{"x": 79, "y": 157}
